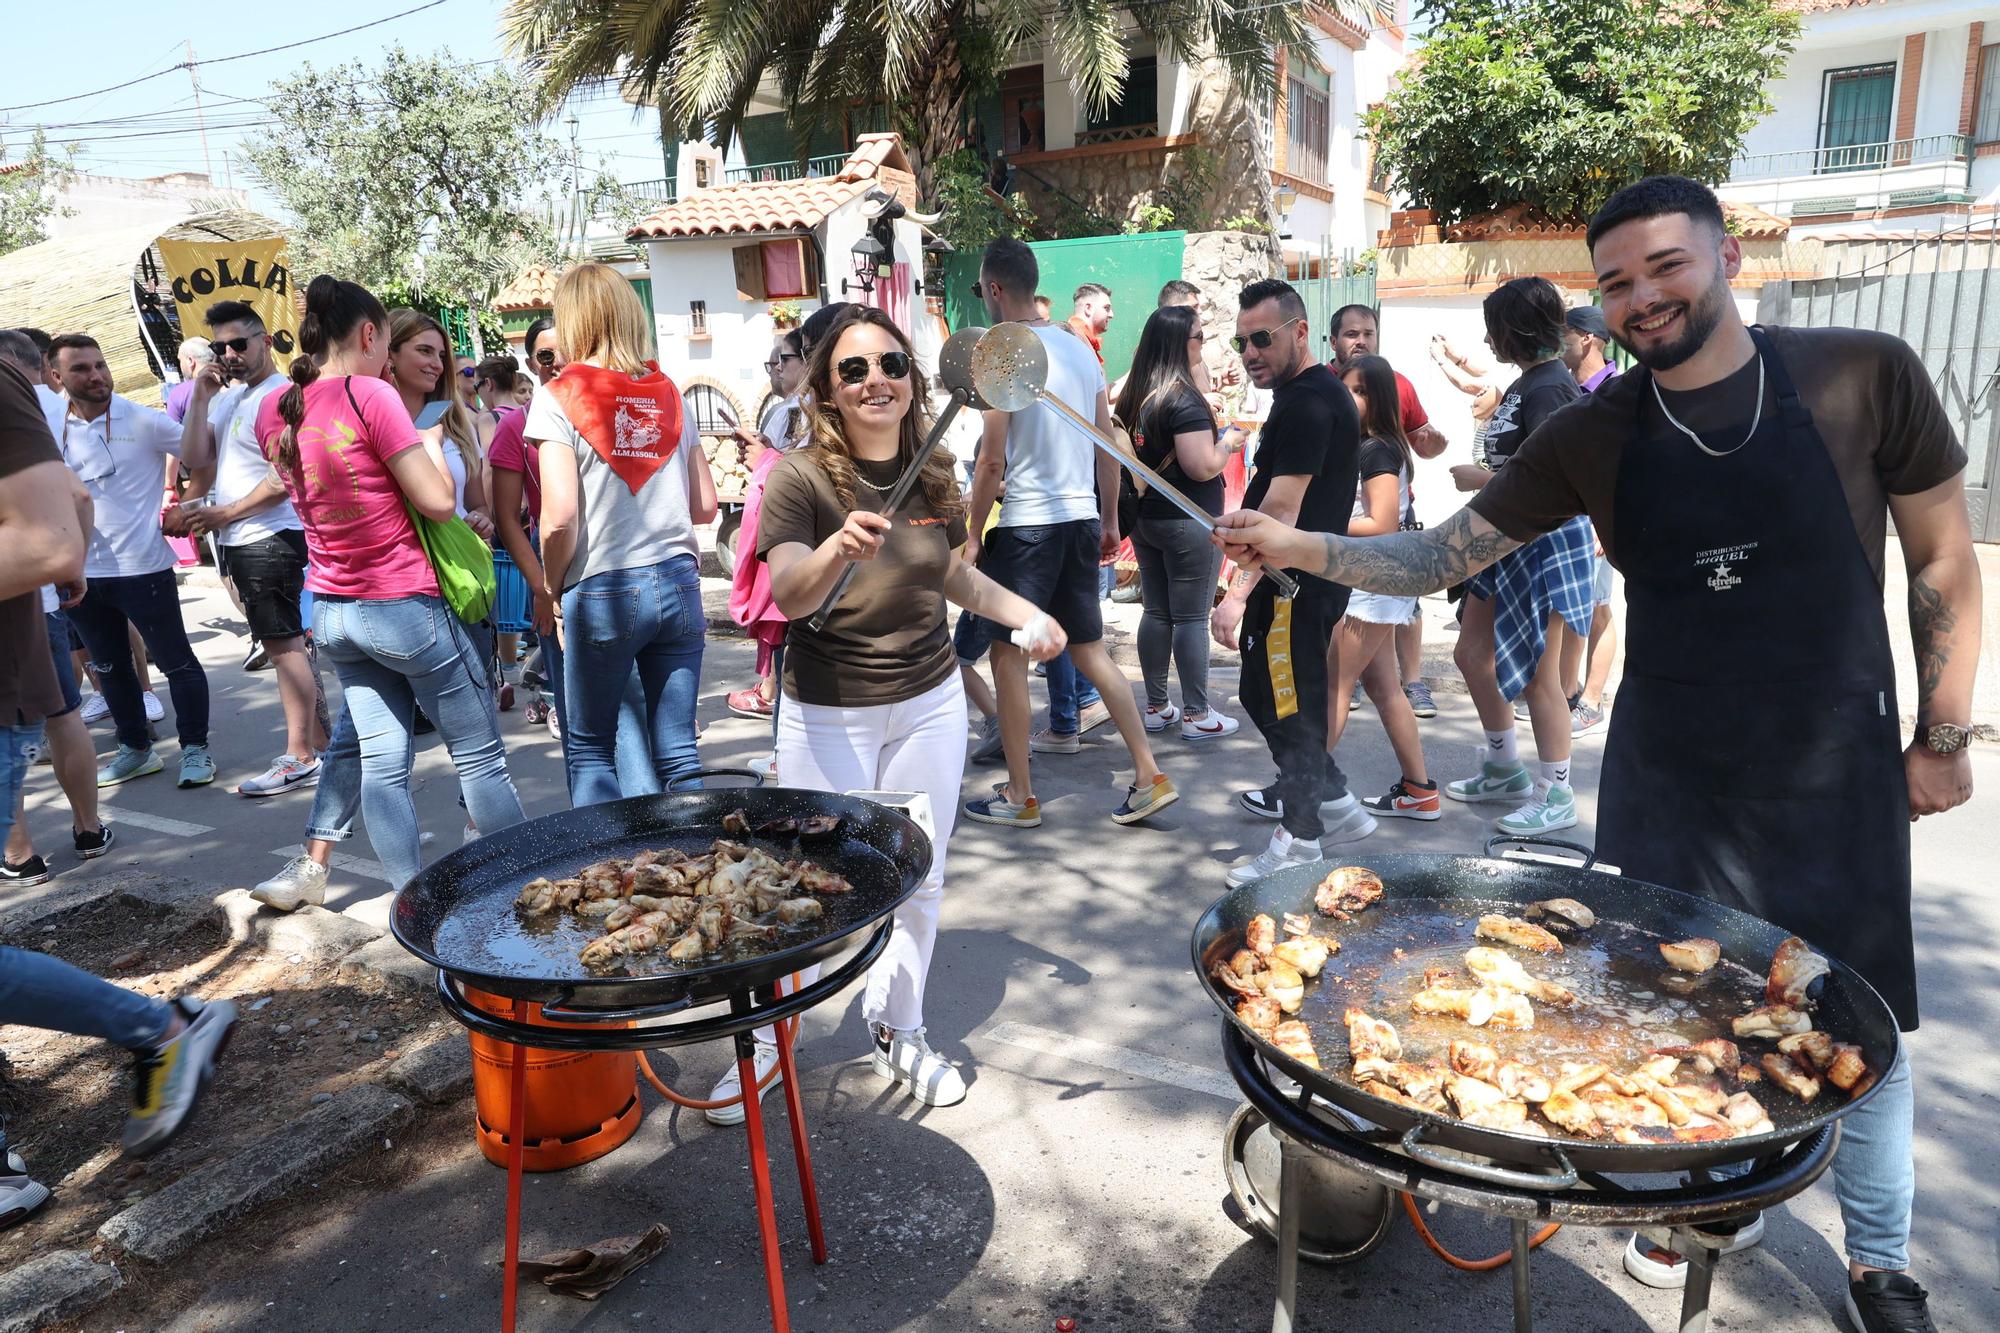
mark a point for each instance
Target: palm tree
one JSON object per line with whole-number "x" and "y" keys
{"x": 701, "y": 61}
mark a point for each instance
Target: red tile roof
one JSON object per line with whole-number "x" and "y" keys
{"x": 533, "y": 289}
{"x": 752, "y": 207}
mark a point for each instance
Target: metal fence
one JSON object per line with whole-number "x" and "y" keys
{"x": 1329, "y": 280}
{"x": 1940, "y": 294}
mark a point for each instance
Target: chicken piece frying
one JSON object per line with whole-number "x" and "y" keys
{"x": 1848, "y": 1071}
{"x": 736, "y": 823}
{"x": 678, "y": 911}
{"x": 599, "y": 907}
{"x": 1813, "y": 1050}
{"x": 641, "y": 936}
{"x": 778, "y": 830}
{"x": 1348, "y": 889}
{"x": 1503, "y": 1115}
{"x": 1295, "y": 1039}
{"x": 1576, "y": 1077}
{"x": 1678, "y": 1112}
{"x": 1717, "y": 1055}
{"x": 1572, "y": 1114}
{"x": 1703, "y": 1098}
{"x": 1282, "y": 982}
{"x": 1565, "y": 916}
{"x": 1696, "y": 955}
{"x": 688, "y": 947}
{"x": 1306, "y": 953}
{"x": 1454, "y": 1001}
{"x": 1471, "y": 1095}
{"x": 1260, "y": 1014}
{"x": 1261, "y": 935}
{"x": 1369, "y": 1037}
{"x": 1787, "y": 1075}
{"x": 1298, "y": 923}
{"x": 1495, "y": 968}
{"x": 795, "y": 911}
{"x": 1237, "y": 975}
{"x": 537, "y": 896}
{"x": 1744, "y": 1113}
{"x": 1438, "y": 977}
{"x": 1771, "y": 1020}
{"x": 1794, "y": 968}
{"x": 1660, "y": 1068}
{"x": 1616, "y": 1110}
{"x": 1493, "y": 1007}
{"x": 1420, "y": 1083}
{"x": 1474, "y": 1058}
{"x": 819, "y": 828}
{"x": 817, "y": 879}
{"x": 1521, "y": 1082}
{"x": 681, "y": 878}
{"x": 1521, "y": 934}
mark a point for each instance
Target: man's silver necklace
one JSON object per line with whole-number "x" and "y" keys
{"x": 1755, "y": 419}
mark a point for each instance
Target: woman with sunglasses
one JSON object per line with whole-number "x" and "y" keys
{"x": 873, "y": 699}
{"x": 624, "y": 486}
{"x": 1173, "y": 432}
{"x": 750, "y": 603}
{"x": 349, "y": 456}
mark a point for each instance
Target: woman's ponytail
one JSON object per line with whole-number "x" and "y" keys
{"x": 334, "y": 309}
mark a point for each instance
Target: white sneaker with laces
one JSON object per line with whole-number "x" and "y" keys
{"x": 1159, "y": 719}
{"x": 906, "y": 1058}
{"x": 154, "y": 709}
{"x": 765, "y": 1057}
{"x": 287, "y": 772}
{"x": 302, "y": 883}
{"x": 1552, "y": 809}
{"x": 1344, "y": 820}
{"x": 20, "y": 1196}
{"x": 1211, "y": 726}
{"x": 95, "y": 709}
{"x": 1284, "y": 852}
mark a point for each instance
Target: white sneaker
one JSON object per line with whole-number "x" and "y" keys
{"x": 1159, "y": 719}
{"x": 906, "y": 1058}
{"x": 20, "y": 1195}
{"x": 766, "y": 1059}
{"x": 95, "y": 709}
{"x": 1668, "y": 1271}
{"x": 1213, "y": 726}
{"x": 555, "y": 726}
{"x": 287, "y": 772}
{"x": 1551, "y": 810}
{"x": 154, "y": 709}
{"x": 766, "y": 767}
{"x": 1285, "y": 851}
{"x": 1344, "y": 820}
{"x": 302, "y": 883}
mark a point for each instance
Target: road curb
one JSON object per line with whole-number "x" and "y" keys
{"x": 166, "y": 1225}
{"x": 54, "y": 1287}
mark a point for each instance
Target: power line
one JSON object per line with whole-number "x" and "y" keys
{"x": 223, "y": 60}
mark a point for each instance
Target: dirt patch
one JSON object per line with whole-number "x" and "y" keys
{"x": 303, "y": 1031}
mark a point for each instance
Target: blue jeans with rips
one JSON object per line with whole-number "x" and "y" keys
{"x": 651, "y": 619}
{"x": 392, "y": 655}
{"x": 38, "y": 991}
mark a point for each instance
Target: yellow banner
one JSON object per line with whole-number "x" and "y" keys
{"x": 253, "y": 272}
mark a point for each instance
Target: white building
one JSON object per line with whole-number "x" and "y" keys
{"x": 93, "y": 204}
{"x": 1886, "y": 118}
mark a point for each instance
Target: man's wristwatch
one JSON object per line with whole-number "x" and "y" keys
{"x": 1943, "y": 737}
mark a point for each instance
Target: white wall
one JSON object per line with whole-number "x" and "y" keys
{"x": 109, "y": 203}
{"x": 739, "y": 331}
{"x": 1793, "y": 126}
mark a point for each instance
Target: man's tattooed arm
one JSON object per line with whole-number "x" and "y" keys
{"x": 1932, "y": 625}
{"x": 1410, "y": 564}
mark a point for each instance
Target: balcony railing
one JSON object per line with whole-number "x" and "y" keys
{"x": 826, "y": 165}
{"x": 660, "y": 191}
{"x": 1933, "y": 148}
{"x": 1858, "y": 178}
{"x": 1117, "y": 133}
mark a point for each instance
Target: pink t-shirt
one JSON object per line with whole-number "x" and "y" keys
{"x": 358, "y": 533}
{"x": 510, "y": 452}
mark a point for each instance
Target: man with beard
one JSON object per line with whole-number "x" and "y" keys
{"x": 1741, "y": 479}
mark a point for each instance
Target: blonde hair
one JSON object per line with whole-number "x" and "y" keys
{"x": 599, "y": 319}
{"x": 826, "y": 433}
{"x": 459, "y": 427}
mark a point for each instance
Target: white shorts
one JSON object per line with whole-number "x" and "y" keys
{"x": 1376, "y": 609}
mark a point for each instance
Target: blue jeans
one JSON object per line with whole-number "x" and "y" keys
{"x": 1069, "y": 694}
{"x": 650, "y": 618}
{"x": 391, "y": 656}
{"x": 38, "y": 991}
{"x": 150, "y": 603}
{"x": 634, "y": 752}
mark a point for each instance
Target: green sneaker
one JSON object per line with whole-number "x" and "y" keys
{"x": 1496, "y": 782}
{"x": 197, "y": 769}
{"x": 127, "y": 764}
{"x": 1552, "y": 809}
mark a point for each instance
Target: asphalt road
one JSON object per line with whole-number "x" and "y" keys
{"x": 1082, "y": 1177}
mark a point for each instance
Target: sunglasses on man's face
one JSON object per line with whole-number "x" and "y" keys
{"x": 854, "y": 369}
{"x": 545, "y": 357}
{"x": 1261, "y": 339}
{"x": 979, "y": 291}
{"x": 236, "y": 345}
{"x": 780, "y": 360}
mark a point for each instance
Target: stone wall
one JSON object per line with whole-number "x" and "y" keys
{"x": 1223, "y": 263}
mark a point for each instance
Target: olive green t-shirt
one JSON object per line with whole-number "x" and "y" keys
{"x": 887, "y": 639}
{"x": 1870, "y": 397}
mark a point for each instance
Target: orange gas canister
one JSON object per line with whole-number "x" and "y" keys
{"x": 580, "y": 1104}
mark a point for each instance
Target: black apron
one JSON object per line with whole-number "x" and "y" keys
{"x": 1755, "y": 755}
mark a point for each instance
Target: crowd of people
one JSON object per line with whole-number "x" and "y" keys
{"x": 365, "y": 502}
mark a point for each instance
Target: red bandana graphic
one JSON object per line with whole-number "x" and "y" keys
{"x": 633, "y": 424}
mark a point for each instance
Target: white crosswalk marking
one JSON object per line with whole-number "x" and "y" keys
{"x": 157, "y": 823}
{"x": 353, "y": 865}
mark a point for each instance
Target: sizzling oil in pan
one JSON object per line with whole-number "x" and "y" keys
{"x": 1629, "y": 1002}
{"x": 485, "y": 934}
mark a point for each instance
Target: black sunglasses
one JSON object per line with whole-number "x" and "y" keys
{"x": 854, "y": 369}
{"x": 545, "y": 357}
{"x": 1262, "y": 337}
{"x": 222, "y": 345}
{"x": 979, "y": 291}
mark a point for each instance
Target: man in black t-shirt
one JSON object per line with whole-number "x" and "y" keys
{"x": 1305, "y": 474}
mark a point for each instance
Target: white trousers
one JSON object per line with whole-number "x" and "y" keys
{"x": 916, "y": 745}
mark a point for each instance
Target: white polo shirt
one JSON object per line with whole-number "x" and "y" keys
{"x": 120, "y": 458}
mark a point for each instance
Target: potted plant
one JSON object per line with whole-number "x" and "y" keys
{"x": 784, "y": 315}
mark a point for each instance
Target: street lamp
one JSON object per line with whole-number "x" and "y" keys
{"x": 870, "y": 255}
{"x": 1285, "y": 197}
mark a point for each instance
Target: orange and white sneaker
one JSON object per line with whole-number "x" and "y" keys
{"x": 1407, "y": 800}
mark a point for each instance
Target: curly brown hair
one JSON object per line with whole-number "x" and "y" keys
{"x": 827, "y": 435}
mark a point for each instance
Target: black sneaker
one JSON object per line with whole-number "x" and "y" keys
{"x": 256, "y": 659}
{"x": 1889, "y": 1303}
{"x": 1262, "y": 802}
{"x": 34, "y": 870}
{"x": 90, "y": 846}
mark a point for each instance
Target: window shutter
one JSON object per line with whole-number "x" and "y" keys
{"x": 749, "y": 263}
